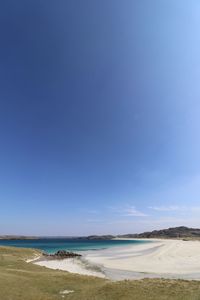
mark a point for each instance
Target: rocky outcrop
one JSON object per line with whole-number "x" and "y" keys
{"x": 61, "y": 254}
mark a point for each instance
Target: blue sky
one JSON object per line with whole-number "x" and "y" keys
{"x": 99, "y": 116}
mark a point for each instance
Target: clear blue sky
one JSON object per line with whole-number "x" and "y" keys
{"x": 99, "y": 116}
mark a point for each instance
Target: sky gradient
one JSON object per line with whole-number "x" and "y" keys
{"x": 99, "y": 116}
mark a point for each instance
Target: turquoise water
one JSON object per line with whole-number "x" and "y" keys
{"x": 51, "y": 245}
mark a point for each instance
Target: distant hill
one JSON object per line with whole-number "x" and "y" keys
{"x": 90, "y": 237}
{"x": 17, "y": 237}
{"x": 175, "y": 232}
{"x": 97, "y": 237}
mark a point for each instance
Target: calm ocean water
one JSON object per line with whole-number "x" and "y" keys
{"x": 52, "y": 245}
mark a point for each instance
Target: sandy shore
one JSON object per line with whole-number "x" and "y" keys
{"x": 72, "y": 265}
{"x": 160, "y": 258}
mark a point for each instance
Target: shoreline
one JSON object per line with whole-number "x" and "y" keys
{"x": 160, "y": 259}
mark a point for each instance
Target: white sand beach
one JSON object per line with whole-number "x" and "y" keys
{"x": 160, "y": 258}
{"x": 72, "y": 265}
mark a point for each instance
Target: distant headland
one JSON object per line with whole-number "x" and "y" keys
{"x": 181, "y": 232}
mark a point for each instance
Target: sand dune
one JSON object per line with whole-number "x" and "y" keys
{"x": 72, "y": 265}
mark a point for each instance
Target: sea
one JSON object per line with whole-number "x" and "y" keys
{"x": 52, "y": 245}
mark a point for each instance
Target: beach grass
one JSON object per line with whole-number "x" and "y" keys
{"x": 20, "y": 280}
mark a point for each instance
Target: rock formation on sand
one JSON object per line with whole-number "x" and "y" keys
{"x": 61, "y": 254}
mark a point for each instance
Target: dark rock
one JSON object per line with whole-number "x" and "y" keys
{"x": 61, "y": 254}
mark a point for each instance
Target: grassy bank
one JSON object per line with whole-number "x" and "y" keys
{"x": 24, "y": 281}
